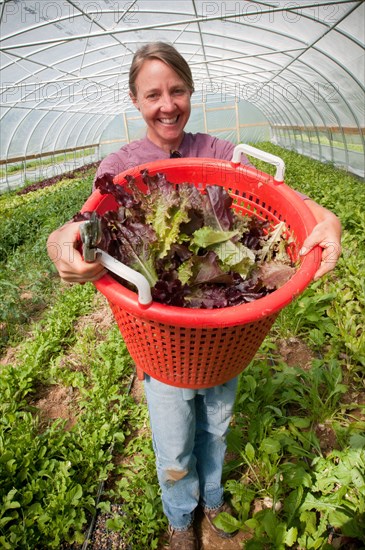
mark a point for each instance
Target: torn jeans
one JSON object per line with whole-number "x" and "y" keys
{"x": 189, "y": 430}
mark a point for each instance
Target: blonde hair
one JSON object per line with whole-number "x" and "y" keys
{"x": 165, "y": 53}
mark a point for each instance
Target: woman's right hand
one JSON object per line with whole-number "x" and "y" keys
{"x": 62, "y": 248}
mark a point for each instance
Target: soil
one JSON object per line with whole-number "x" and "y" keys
{"x": 327, "y": 438}
{"x": 101, "y": 318}
{"x": 103, "y": 538}
{"x": 55, "y": 402}
{"x": 295, "y": 353}
{"x": 9, "y": 358}
{"x": 137, "y": 390}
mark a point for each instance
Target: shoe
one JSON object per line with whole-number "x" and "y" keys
{"x": 212, "y": 514}
{"x": 183, "y": 540}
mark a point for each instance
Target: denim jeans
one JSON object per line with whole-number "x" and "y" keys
{"x": 189, "y": 439}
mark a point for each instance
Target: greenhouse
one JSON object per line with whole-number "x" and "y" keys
{"x": 77, "y": 454}
{"x": 291, "y": 73}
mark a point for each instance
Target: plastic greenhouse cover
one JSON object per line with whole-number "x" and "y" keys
{"x": 293, "y": 71}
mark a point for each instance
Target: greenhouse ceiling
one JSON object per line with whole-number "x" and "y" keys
{"x": 299, "y": 65}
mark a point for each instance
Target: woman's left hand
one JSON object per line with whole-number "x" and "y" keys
{"x": 327, "y": 235}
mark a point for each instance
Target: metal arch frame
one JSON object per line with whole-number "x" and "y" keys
{"x": 335, "y": 113}
{"x": 47, "y": 111}
{"x": 29, "y": 110}
{"x": 82, "y": 129}
{"x": 299, "y": 77}
{"x": 171, "y": 23}
{"x": 309, "y": 116}
{"x": 69, "y": 126}
{"x": 312, "y": 45}
{"x": 82, "y": 13}
{"x": 70, "y": 75}
{"x": 88, "y": 121}
{"x": 103, "y": 125}
{"x": 34, "y": 129}
{"x": 212, "y": 61}
{"x": 281, "y": 112}
{"x": 53, "y": 81}
{"x": 95, "y": 49}
{"x": 99, "y": 25}
{"x": 329, "y": 28}
{"x": 49, "y": 129}
{"x": 273, "y": 52}
{"x": 100, "y": 123}
{"x": 289, "y": 36}
{"x": 15, "y": 130}
{"x": 79, "y": 113}
{"x": 296, "y": 7}
{"x": 311, "y": 103}
{"x": 87, "y": 78}
{"x": 10, "y": 140}
{"x": 52, "y": 128}
{"x": 92, "y": 137}
{"x": 319, "y": 4}
{"x": 271, "y": 9}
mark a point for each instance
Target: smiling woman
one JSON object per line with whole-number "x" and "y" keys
{"x": 189, "y": 426}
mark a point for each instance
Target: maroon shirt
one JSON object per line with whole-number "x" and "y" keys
{"x": 144, "y": 150}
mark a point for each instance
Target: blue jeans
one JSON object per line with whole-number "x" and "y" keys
{"x": 189, "y": 440}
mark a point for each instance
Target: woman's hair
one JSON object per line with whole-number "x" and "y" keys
{"x": 165, "y": 53}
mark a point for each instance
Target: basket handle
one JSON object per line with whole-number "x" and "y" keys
{"x": 261, "y": 155}
{"x": 129, "y": 274}
{"x": 90, "y": 233}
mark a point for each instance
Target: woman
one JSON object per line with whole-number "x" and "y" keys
{"x": 188, "y": 426}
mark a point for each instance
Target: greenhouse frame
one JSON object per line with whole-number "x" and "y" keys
{"x": 289, "y": 72}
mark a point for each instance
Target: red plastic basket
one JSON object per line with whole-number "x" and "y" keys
{"x": 199, "y": 348}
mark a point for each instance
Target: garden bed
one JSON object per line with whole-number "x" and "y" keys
{"x": 296, "y": 461}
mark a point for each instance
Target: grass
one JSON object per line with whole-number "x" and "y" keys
{"x": 295, "y": 471}
{"x": 45, "y": 161}
{"x": 357, "y": 147}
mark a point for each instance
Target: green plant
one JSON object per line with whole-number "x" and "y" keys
{"x": 26, "y": 273}
{"x": 296, "y": 475}
{"x": 137, "y": 487}
{"x": 282, "y": 463}
{"x": 49, "y": 475}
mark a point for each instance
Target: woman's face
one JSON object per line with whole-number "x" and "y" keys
{"x": 164, "y": 102}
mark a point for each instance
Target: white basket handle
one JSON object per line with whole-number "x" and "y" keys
{"x": 261, "y": 155}
{"x": 90, "y": 233}
{"x": 127, "y": 273}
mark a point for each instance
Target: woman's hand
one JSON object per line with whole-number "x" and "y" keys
{"x": 326, "y": 234}
{"x": 62, "y": 247}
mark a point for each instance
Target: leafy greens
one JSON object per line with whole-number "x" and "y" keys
{"x": 192, "y": 247}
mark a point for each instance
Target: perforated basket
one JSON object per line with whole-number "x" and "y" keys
{"x": 199, "y": 348}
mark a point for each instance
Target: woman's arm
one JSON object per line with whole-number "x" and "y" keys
{"x": 326, "y": 234}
